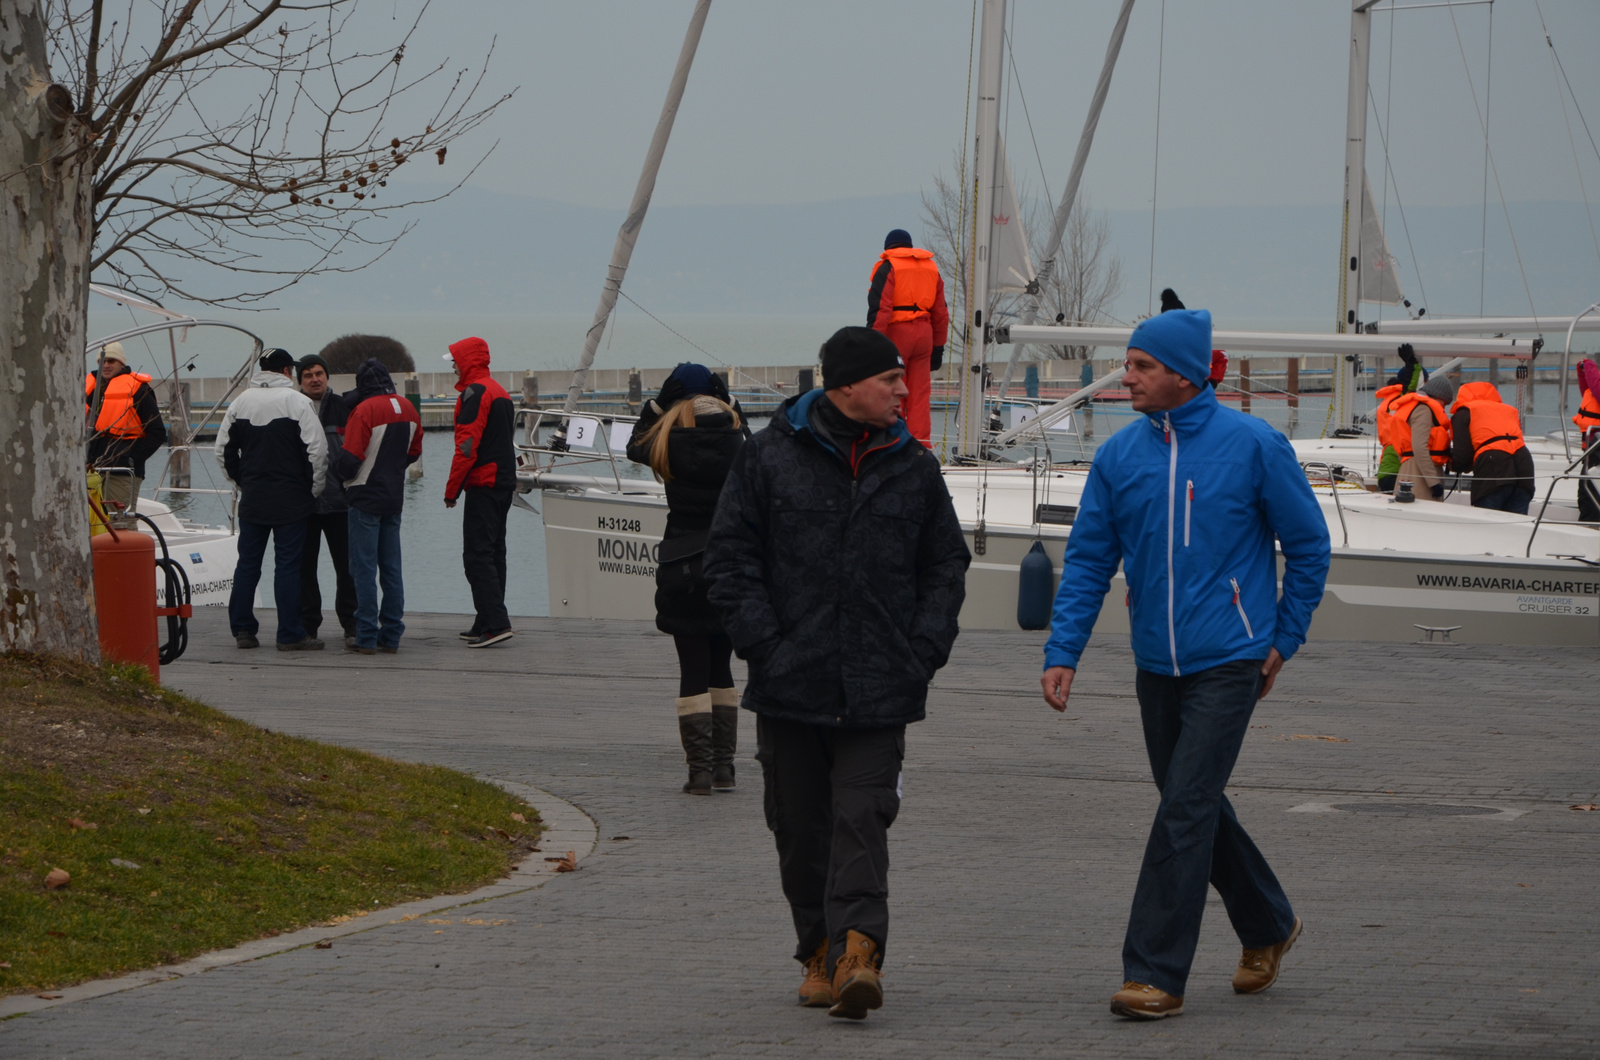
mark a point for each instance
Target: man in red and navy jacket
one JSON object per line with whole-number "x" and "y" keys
{"x": 485, "y": 467}
{"x": 382, "y": 438}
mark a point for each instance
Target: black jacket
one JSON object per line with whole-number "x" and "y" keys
{"x": 839, "y": 576}
{"x": 273, "y": 448}
{"x": 108, "y": 450}
{"x": 1492, "y": 469}
{"x": 334, "y": 412}
{"x": 699, "y": 458}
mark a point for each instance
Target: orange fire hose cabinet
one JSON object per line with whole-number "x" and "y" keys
{"x": 125, "y": 598}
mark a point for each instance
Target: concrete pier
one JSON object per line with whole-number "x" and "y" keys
{"x": 1414, "y": 801}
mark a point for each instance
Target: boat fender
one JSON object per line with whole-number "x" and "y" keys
{"x": 1036, "y": 588}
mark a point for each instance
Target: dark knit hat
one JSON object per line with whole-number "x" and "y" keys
{"x": 275, "y": 360}
{"x": 1179, "y": 339}
{"x": 693, "y": 378}
{"x": 308, "y": 361}
{"x": 854, "y": 354}
{"x": 897, "y": 237}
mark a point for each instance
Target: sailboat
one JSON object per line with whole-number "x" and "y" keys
{"x": 1400, "y": 572}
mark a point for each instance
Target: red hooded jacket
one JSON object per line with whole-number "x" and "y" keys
{"x": 485, "y": 425}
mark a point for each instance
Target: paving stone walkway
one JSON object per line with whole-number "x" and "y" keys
{"x": 1413, "y": 800}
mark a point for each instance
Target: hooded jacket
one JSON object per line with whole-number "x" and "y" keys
{"x": 381, "y": 440}
{"x": 485, "y": 425}
{"x": 1486, "y": 439}
{"x": 272, "y": 447}
{"x": 839, "y": 581}
{"x": 1189, "y": 503}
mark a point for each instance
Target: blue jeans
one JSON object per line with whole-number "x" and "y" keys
{"x": 1513, "y": 499}
{"x": 288, "y": 541}
{"x": 1193, "y": 728}
{"x": 374, "y": 558}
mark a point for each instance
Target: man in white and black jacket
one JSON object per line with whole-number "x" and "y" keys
{"x": 272, "y": 448}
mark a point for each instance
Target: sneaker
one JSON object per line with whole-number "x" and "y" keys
{"x": 468, "y": 634}
{"x": 817, "y": 990}
{"x": 356, "y": 649}
{"x": 483, "y": 640}
{"x": 246, "y": 640}
{"x": 857, "y": 985}
{"x": 303, "y": 644}
{"x": 1258, "y": 968}
{"x": 1138, "y": 1001}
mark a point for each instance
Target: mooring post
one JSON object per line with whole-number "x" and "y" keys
{"x": 1244, "y": 385}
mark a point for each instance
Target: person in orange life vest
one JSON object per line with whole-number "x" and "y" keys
{"x": 1410, "y": 376}
{"x": 906, "y": 303}
{"x": 1588, "y": 423}
{"x": 1486, "y": 439}
{"x": 126, "y": 422}
{"x": 485, "y": 469}
{"x": 1419, "y": 429}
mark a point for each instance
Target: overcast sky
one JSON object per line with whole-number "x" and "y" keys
{"x": 795, "y": 102}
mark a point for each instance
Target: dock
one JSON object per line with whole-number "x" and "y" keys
{"x": 1415, "y": 800}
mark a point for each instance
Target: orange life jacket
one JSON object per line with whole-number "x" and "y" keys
{"x": 117, "y": 414}
{"x": 1438, "y": 435}
{"x": 916, "y": 282}
{"x": 1382, "y": 418}
{"x": 1495, "y": 425}
{"x": 1588, "y": 417}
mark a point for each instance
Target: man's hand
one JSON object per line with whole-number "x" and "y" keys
{"x": 449, "y": 503}
{"x": 1269, "y": 672}
{"x": 936, "y": 361}
{"x": 1057, "y": 684}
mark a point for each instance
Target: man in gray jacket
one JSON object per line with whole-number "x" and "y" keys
{"x": 272, "y": 448}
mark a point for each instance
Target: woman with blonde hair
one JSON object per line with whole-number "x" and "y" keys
{"x": 688, "y": 435}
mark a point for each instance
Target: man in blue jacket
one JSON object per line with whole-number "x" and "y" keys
{"x": 1189, "y": 502}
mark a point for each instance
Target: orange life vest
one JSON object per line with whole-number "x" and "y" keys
{"x": 117, "y": 414}
{"x": 1588, "y": 417}
{"x": 1400, "y": 423}
{"x": 1382, "y": 418}
{"x": 1495, "y": 425}
{"x": 916, "y": 282}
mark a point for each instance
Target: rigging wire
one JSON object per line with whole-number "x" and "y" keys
{"x": 1405, "y": 226}
{"x": 1155, "y": 169}
{"x": 964, "y": 289}
{"x": 1493, "y": 168}
{"x": 1022, "y": 98}
{"x": 1488, "y": 89}
{"x": 1561, "y": 76}
{"x": 754, "y": 382}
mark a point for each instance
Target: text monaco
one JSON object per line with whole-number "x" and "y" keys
{"x": 619, "y": 556}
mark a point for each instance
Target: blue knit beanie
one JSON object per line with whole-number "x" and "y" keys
{"x": 897, "y": 237}
{"x": 1179, "y": 339}
{"x": 694, "y": 378}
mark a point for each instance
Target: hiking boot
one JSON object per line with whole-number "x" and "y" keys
{"x": 246, "y": 640}
{"x": 1258, "y": 968}
{"x": 816, "y": 991}
{"x": 724, "y": 736}
{"x": 694, "y": 729}
{"x": 857, "y": 985}
{"x": 483, "y": 640}
{"x": 303, "y": 644}
{"x": 1137, "y": 1001}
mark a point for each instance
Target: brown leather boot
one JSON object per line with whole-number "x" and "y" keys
{"x": 724, "y": 736}
{"x": 694, "y": 728}
{"x": 817, "y": 991}
{"x": 1258, "y": 968}
{"x": 1139, "y": 1001}
{"x": 856, "y": 980}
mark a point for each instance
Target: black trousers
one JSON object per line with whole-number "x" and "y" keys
{"x": 704, "y": 663}
{"x": 483, "y": 555}
{"x": 831, "y": 795}
{"x": 335, "y": 526}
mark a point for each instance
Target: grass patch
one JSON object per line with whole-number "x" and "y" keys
{"x": 223, "y": 832}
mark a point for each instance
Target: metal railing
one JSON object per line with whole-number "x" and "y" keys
{"x": 593, "y": 439}
{"x": 1333, "y": 487}
{"x": 1550, "y": 491}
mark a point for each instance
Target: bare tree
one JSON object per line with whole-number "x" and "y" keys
{"x": 1080, "y": 290}
{"x": 217, "y": 150}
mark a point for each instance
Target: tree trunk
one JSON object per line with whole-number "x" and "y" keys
{"x": 48, "y": 590}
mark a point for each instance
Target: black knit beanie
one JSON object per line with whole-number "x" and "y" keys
{"x": 308, "y": 361}
{"x": 854, "y": 354}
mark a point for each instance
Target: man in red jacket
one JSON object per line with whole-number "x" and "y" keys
{"x": 906, "y": 303}
{"x": 485, "y": 466}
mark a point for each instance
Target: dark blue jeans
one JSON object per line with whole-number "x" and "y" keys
{"x": 375, "y": 558}
{"x": 288, "y": 541}
{"x": 1193, "y": 728}
{"x": 1512, "y": 499}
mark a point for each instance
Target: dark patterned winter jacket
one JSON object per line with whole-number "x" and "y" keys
{"x": 839, "y": 576}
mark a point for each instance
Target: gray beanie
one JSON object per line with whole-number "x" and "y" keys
{"x": 1439, "y": 388}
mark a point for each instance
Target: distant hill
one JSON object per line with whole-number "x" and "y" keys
{"x": 481, "y": 251}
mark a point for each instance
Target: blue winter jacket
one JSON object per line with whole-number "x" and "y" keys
{"x": 1189, "y": 501}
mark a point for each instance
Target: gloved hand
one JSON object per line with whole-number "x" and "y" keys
{"x": 1408, "y": 356}
{"x": 671, "y": 393}
{"x": 719, "y": 389}
{"x": 937, "y": 360}
{"x": 1438, "y": 491}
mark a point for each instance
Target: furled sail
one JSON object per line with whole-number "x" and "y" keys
{"x": 1380, "y": 280}
{"x": 1010, "y": 264}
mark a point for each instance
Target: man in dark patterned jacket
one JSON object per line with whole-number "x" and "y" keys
{"x": 838, "y": 565}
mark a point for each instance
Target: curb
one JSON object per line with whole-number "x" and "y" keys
{"x": 566, "y": 828}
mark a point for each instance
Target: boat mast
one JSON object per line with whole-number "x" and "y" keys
{"x": 628, "y": 234}
{"x": 991, "y": 56}
{"x": 1355, "y": 169}
{"x": 1069, "y": 197}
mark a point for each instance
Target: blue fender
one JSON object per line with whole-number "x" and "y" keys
{"x": 1036, "y": 589}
